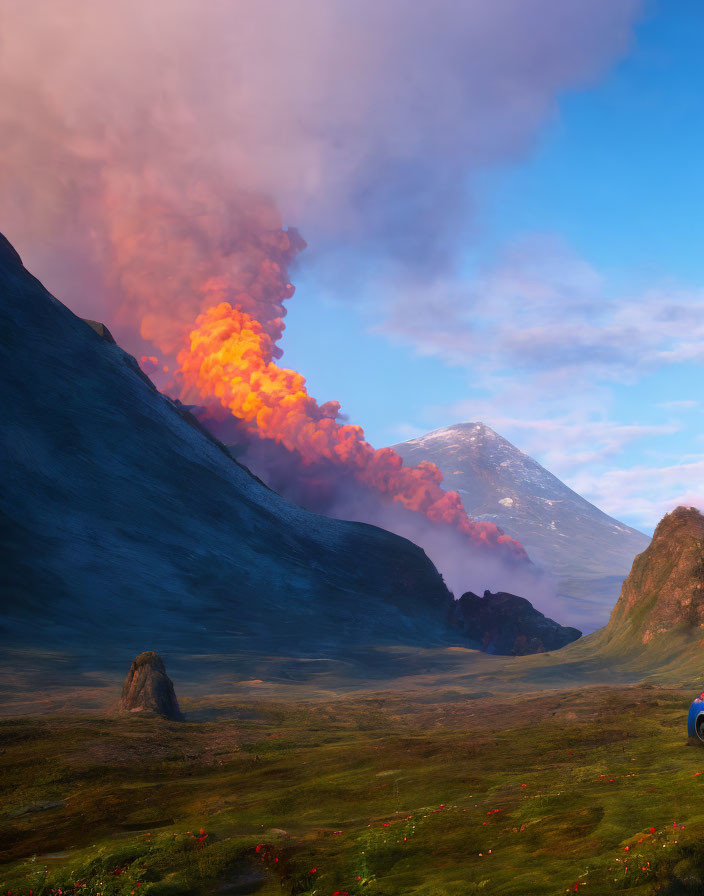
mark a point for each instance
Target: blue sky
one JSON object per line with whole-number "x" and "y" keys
{"x": 611, "y": 193}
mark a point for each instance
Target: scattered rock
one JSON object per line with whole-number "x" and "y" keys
{"x": 506, "y": 624}
{"x": 100, "y": 329}
{"x": 149, "y": 689}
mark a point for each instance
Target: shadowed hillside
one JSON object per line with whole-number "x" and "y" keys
{"x": 123, "y": 524}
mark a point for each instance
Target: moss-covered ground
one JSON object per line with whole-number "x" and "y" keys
{"x": 593, "y": 790}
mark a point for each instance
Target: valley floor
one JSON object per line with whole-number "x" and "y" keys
{"x": 592, "y": 790}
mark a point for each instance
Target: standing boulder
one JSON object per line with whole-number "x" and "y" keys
{"x": 149, "y": 689}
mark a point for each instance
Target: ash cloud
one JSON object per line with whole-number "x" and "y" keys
{"x": 153, "y": 150}
{"x": 364, "y": 122}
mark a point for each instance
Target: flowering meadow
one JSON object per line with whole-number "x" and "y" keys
{"x": 592, "y": 790}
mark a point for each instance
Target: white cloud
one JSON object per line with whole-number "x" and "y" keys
{"x": 545, "y": 339}
{"x": 541, "y": 310}
{"x": 681, "y": 405}
{"x": 646, "y": 492}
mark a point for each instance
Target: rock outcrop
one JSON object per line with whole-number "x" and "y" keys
{"x": 100, "y": 329}
{"x": 507, "y": 624}
{"x": 664, "y": 591}
{"x": 148, "y": 689}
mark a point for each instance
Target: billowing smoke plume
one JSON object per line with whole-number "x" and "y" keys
{"x": 152, "y": 149}
{"x": 328, "y": 488}
{"x": 230, "y": 358}
{"x": 135, "y": 134}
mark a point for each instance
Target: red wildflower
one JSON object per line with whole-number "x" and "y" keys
{"x": 652, "y": 830}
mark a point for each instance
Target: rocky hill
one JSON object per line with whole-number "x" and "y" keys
{"x": 122, "y": 522}
{"x": 507, "y": 624}
{"x": 589, "y": 552}
{"x": 664, "y": 592}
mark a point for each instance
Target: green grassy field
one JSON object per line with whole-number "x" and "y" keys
{"x": 592, "y": 790}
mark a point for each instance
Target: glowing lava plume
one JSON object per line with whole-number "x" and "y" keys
{"x": 231, "y": 358}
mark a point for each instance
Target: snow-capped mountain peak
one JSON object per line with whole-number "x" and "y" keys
{"x": 589, "y": 551}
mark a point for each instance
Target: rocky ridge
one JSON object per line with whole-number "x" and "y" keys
{"x": 506, "y": 624}
{"x": 664, "y": 591}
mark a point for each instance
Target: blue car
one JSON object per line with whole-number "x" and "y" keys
{"x": 695, "y": 719}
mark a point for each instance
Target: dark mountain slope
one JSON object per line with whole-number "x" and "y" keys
{"x": 125, "y": 526}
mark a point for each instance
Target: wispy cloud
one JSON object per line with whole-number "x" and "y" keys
{"x": 682, "y": 405}
{"x": 647, "y": 491}
{"x": 566, "y": 444}
{"x": 542, "y": 310}
{"x": 545, "y": 339}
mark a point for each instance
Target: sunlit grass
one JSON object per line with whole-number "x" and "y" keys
{"x": 595, "y": 789}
